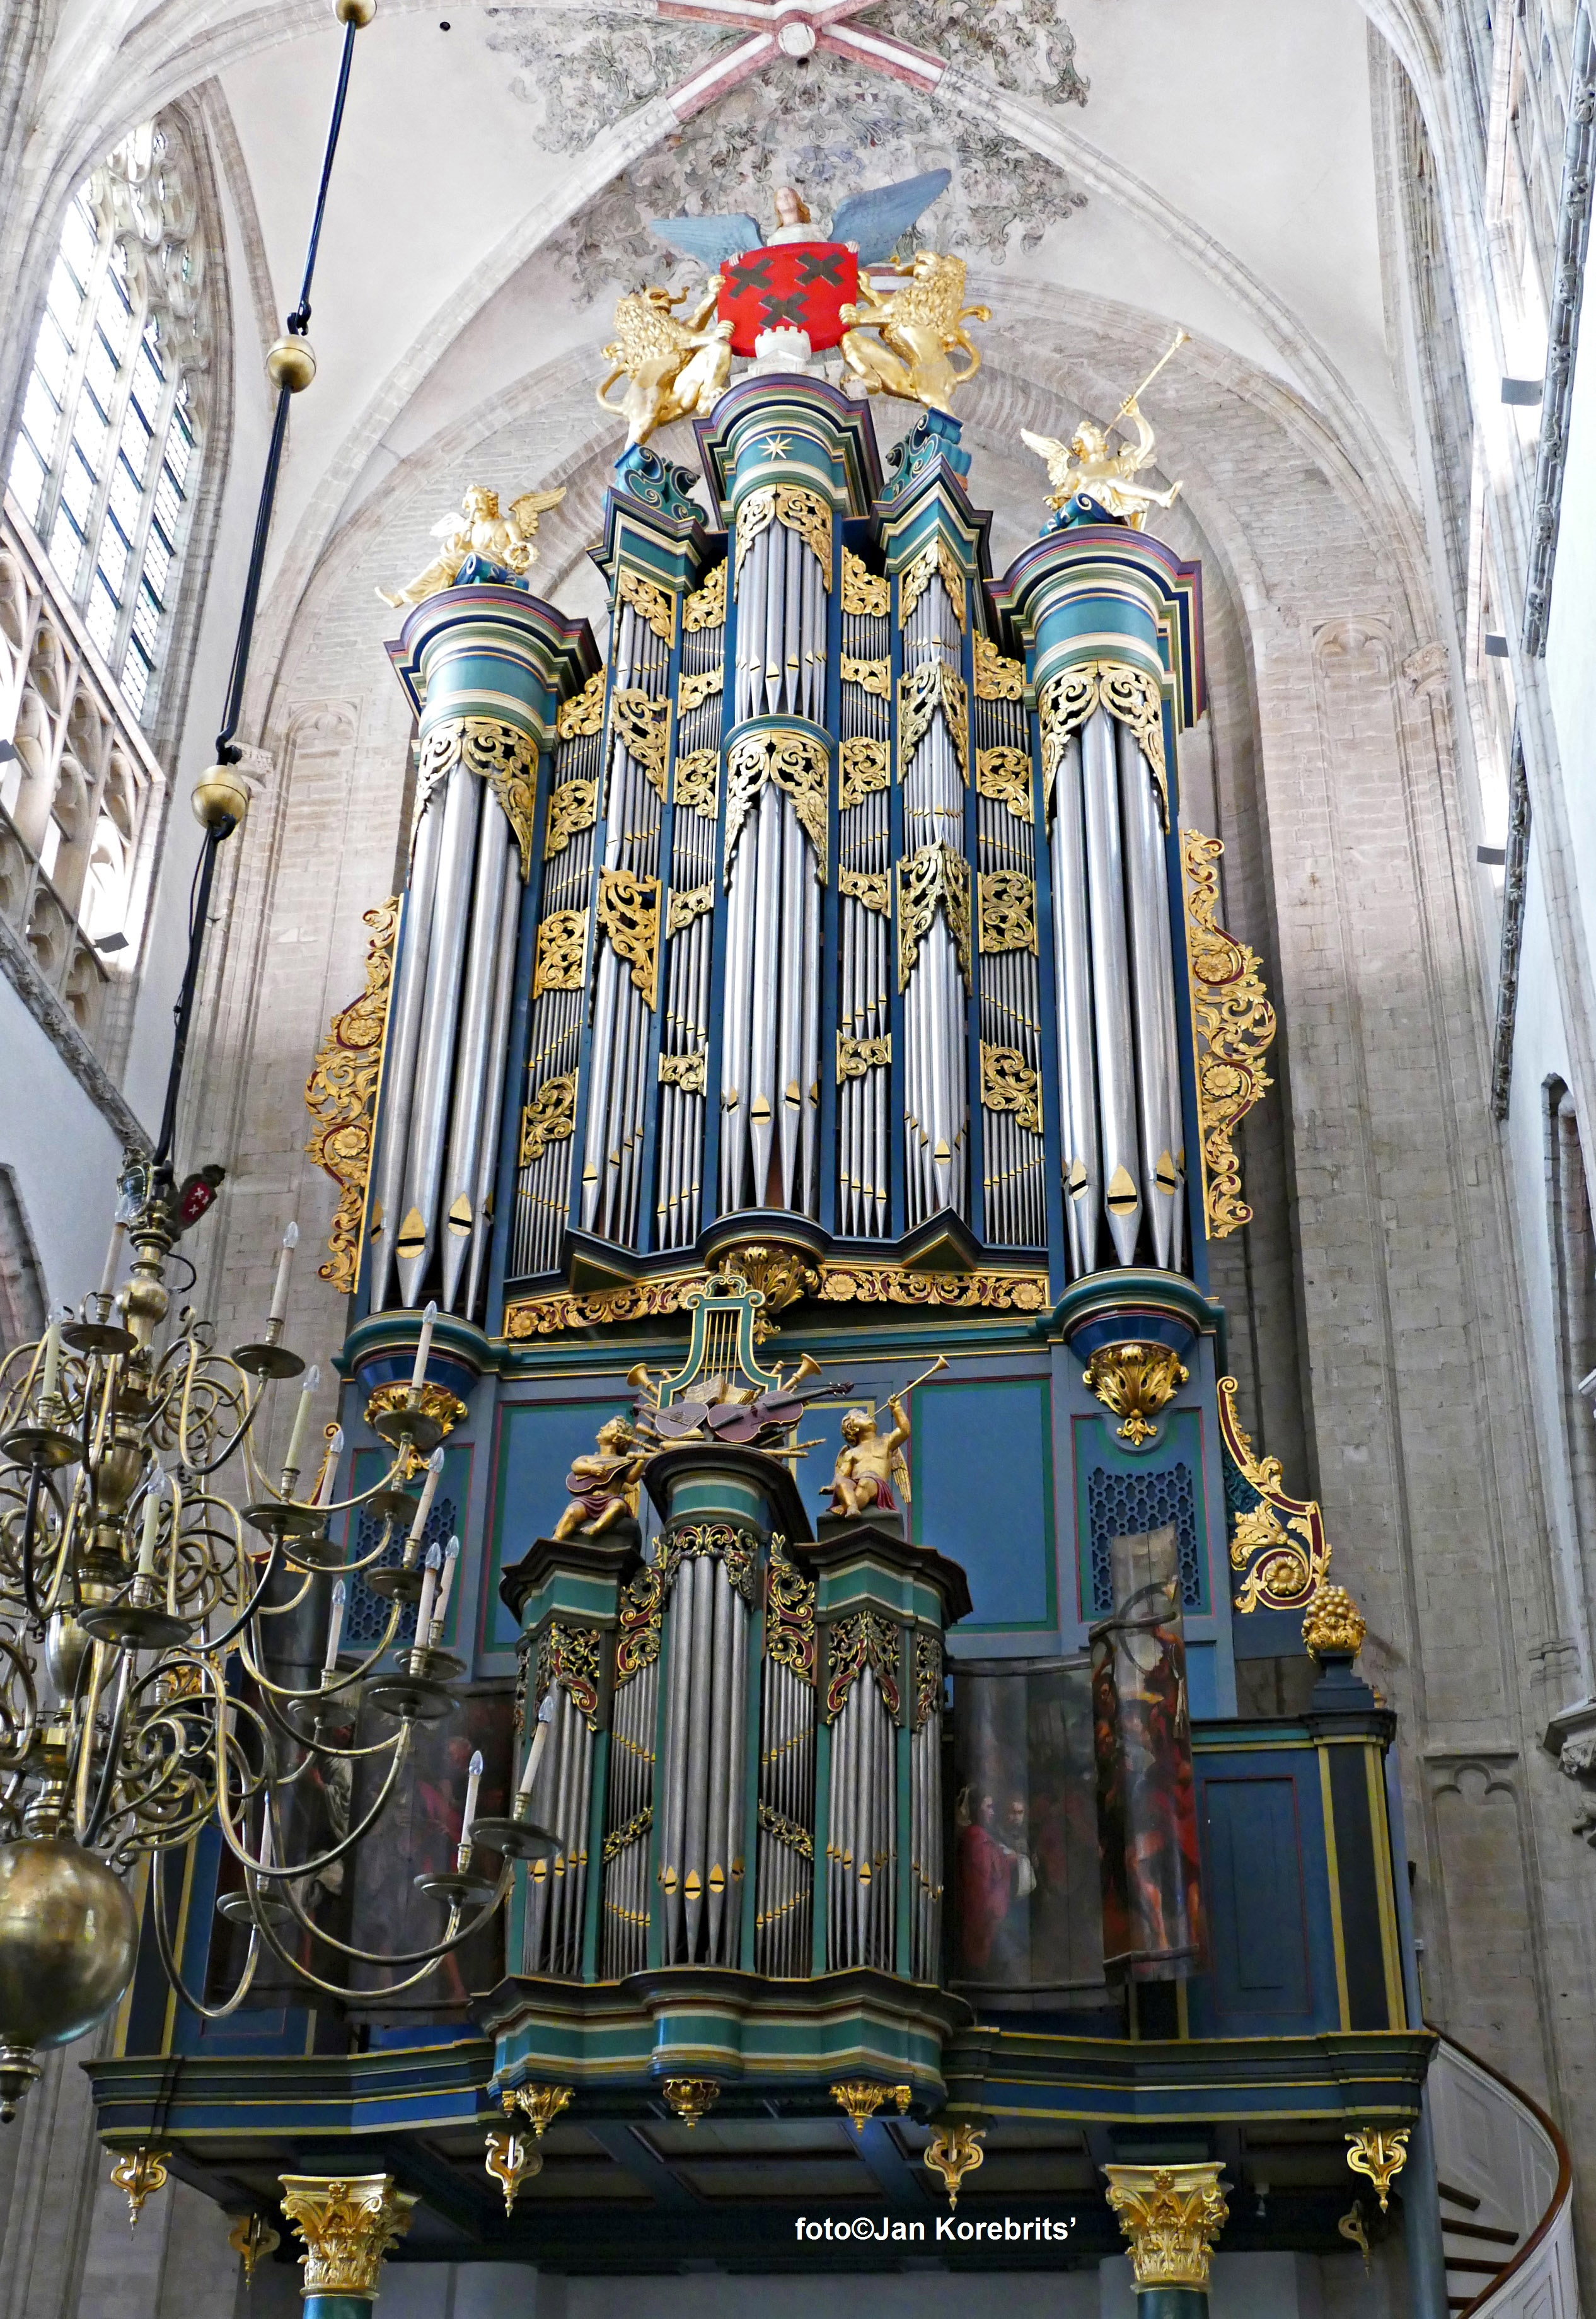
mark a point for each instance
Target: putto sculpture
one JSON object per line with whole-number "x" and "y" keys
{"x": 1090, "y": 482}
{"x": 480, "y": 544}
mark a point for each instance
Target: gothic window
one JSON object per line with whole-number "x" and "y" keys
{"x": 105, "y": 461}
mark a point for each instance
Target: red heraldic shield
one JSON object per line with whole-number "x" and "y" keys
{"x": 798, "y": 285}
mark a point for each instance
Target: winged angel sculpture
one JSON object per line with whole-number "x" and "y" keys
{"x": 480, "y": 544}
{"x": 792, "y": 294}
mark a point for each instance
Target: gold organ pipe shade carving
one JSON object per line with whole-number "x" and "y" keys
{"x": 654, "y": 605}
{"x": 856, "y": 1056}
{"x": 549, "y": 1118}
{"x": 864, "y": 769}
{"x": 985, "y": 1291}
{"x": 641, "y": 725}
{"x": 1136, "y": 1383}
{"x": 995, "y": 677}
{"x": 860, "y": 2098}
{"x": 688, "y": 904}
{"x": 694, "y": 689}
{"x": 628, "y": 911}
{"x": 348, "y": 2224}
{"x": 935, "y": 558}
{"x": 1003, "y": 775}
{"x": 800, "y": 765}
{"x": 642, "y": 1613}
{"x": 341, "y": 1095}
{"x": 1281, "y": 1537}
{"x": 251, "y": 2239}
{"x": 921, "y": 690}
{"x": 689, "y": 1071}
{"x": 933, "y": 876}
{"x": 691, "y": 2098}
{"x": 863, "y": 592}
{"x": 436, "y": 1402}
{"x": 1129, "y": 694}
{"x": 572, "y": 807}
{"x": 1379, "y": 2154}
{"x": 866, "y": 1640}
{"x": 1008, "y": 1083}
{"x": 584, "y": 711}
{"x": 1007, "y": 904}
{"x": 789, "y": 1630}
{"x": 698, "y": 782}
{"x": 952, "y": 2152}
{"x": 798, "y": 510}
{"x": 873, "y": 675}
{"x": 622, "y": 1839}
{"x": 1334, "y": 1623}
{"x": 1171, "y": 2216}
{"x": 504, "y": 756}
{"x": 706, "y": 606}
{"x": 138, "y": 2174}
{"x": 1234, "y": 1026}
{"x": 562, "y": 952}
{"x": 870, "y": 887}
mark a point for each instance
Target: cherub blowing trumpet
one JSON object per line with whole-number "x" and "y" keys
{"x": 870, "y": 1465}
{"x": 480, "y": 535}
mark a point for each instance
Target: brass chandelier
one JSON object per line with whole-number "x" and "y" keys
{"x": 147, "y": 1546}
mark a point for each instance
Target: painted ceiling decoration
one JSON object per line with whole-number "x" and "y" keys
{"x": 856, "y": 109}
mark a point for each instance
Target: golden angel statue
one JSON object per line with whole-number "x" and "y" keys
{"x": 496, "y": 547}
{"x": 673, "y": 365}
{"x": 1084, "y": 469}
{"x": 904, "y": 344}
{"x": 604, "y": 1482}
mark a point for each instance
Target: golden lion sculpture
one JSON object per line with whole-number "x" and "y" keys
{"x": 673, "y": 365}
{"x": 904, "y": 344}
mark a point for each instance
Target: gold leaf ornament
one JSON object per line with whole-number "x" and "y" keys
{"x": 1008, "y": 1083}
{"x": 1129, "y": 694}
{"x": 584, "y": 711}
{"x": 1235, "y": 1026}
{"x": 995, "y": 677}
{"x": 573, "y": 806}
{"x": 628, "y": 911}
{"x": 800, "y": 765}
{"x": 640, "y": 724}
{"x": 1171, "y": 2216}
{"x": 1280, "y": 1542}
{"x": 562, "y": 952}
{"x": 549, "y": 1118}
{"x": 934, "y": 878}
{"x": 502, "y": 754}
{"x": 1136, "y": 1383}
{"x": 340, "y": 1095}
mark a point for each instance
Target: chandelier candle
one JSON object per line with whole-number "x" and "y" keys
{"x": 423, "y": 1347}
{"x": 429, "y": 1591}
{"x": 285, "y": 1267}
{"x": 152, "y": 1515}
{"x": 534, "y": 1755}
{"x": 412, "y": 1545}
{"x": 112, "y": 1259}
{"x": 301, "y": 1419}
{"x": 474, "y": 1780}
{"x": 435, "y": 1632}
{"x": 50, "y": 1367}
{"x": 329, "y": 1471}
{"x": 335, "y": 1627}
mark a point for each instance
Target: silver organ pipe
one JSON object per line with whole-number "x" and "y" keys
{"x": 629, "y": 1804}
{"x": 487, "y": 1165}
{"x": 932, "y": 764}
{"x": 417, "y": 1232}
{"x": 404, "y": 1030}
{"x": 1072, "y": 982}
{"x": 862, "y": 1841}
{"x": 925, "y": 1811}
{"x": 1110, "y": 994}
{"x": 864, "y": 1020}
{"x": 476, "y": 1060}
{"x": 708, "y": 1577}
{"x": 1014, "y": 1195}
{"x": 562, "y": 1801}
{"x": 1152, "y": 988}
{"x": 684, "y": 1040}
{"x": 783, "y": 1931}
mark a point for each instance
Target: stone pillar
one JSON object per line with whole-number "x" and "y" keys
{"x": 348, "y": 2224}
{"x": 1171, "y": 2215}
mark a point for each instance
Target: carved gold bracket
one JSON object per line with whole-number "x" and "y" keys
{"x": 1129, "y": 694}
{"x": 1281, "y": 1536}
{"x": 252, "y": 2239}
{"x": 691, "y": 2098}
{"x": 341, "y": 1095}
{"x": 511, "y": 2158}
{"x": 1234, "y": 1025}
{"x": 1380, "y": 2155}
{"x": 861, "y": 2098}
{"x": 139, "y": 2174}
{"x": 502, "y": 754}
{"x": 445, "y": 1408}
{"x": 1135, "y": 1383}
{"x": 954, "y": 2152}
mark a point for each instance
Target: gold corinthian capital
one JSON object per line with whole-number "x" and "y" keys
{"x": 348, "y": 2225}
{"x": 1171, "y": 2216}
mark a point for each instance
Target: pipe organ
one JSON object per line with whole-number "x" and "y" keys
{"x": 846, "y": 893}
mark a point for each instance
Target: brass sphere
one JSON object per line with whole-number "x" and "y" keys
{"x": 291, "y": 363}
{"x": 355, "y": 11}
{"x": 69, "y": 1939}
{"x": 220, "y": 795}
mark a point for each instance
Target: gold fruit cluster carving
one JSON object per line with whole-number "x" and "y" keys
{"x": 341, "y": 1094}
{"x": 1334, "y": 1623}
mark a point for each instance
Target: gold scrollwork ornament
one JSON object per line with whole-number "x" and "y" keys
{"x": 549, "y": 1118}
{"x": 655, "y": 606}
{"x": 686, "y": 1072}
{"x": 695, "y": 687}
{"x": 640, "y": 724}
{"x": 858, "y": 1056}
{"x": 1009, "y": 1083}
{"x": 1131, "y": 695}
{"x": 138, "y": 2174}
{"x": 872, "y": 887}
{"x": 1280, "y": 1542}
{"x": 687, "y": 903}
{"x": 863, "y": 593}
{"x": 936, "y": 877}
{"x": 799, "y": 764}
{"x": 584, "y": 711}
{"x": 952, "y": 2152}
{"x": 921, "y": 690}
{"x": 252, "y": 2239}
{"x": 1003, "y": 775}
{"x": 935, "y": 561}
{"x": 863, "y": 771}
{"x": 562, "y": 952}
{"x": 872, "y": 675}
{"x": 1234, "y": 1024}
{"x": 995, "y": 677}
{"x": 573, "y": 806}
{"x": 1007, "y": 911}
{"x": 691, "y": 2098}
{"x": 796, "y": 510}
{"x": 861, "y": 2098}
{"x": 628, "y": 910}
{"x": 1379, "y": 2154}
{"x": 340, "y": 1095}
{"x": 698, "y": 782}
{"x": 502, "y": 754}
{"x": 706, "y": 606}
{"x": 434, "y": 1402}
{"x": 512, "y": 2157}
{"x": 348, "y": 2224}
{"x": 1136, "y": 1383}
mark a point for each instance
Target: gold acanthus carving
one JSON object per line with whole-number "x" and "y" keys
{"x": 641, "y": 725}
{"x": 1380, "y": 2154}
{"x": 863, "y": 771}
{"x": 584, "y": 711}
{"x": 935, "y": 875}
{"x": 1282, "y": 1538}
{"x": 654, "y": 605}
{"x": 874, "y": 675}
{"x": 629, "y": 914}
{"x": 348, "y": 2225}
{"x": 936, "y": 559}
{"x": 706, "y": 606}
{"x": 795, "y": 507}
{"x": 953, "y": 2151}
{"x": 863, "y": 593}
{"x": 691, "y": 2098}
{"x": 687, "y": 903}
{"x": 1007, "y": 900}
{"x": 341, "y": 1093}
{"x": 573, "y": 806}
{"x": 1008, "y": 1083}
{"x": 1171, "y": 2216}
{"x": 695, "y": 688}
{"x": 436, "y": 1402}
{"x": 562, "y": 950}
{"x": 549, "y": 1118}
{"x": 661, "y": 1296}
{"x": 861, "y": 2098}
{"x": 800, "y": 765}
{"x": 685, "y": 1071}
{"x": 1129, "y": 694}
{"x": 1136, "y": 1383}
{"x": 698, "y": 782}
{"x": 1334, "y": 1624}
{"x": 856, "y": 1056}
{"x": 921, "y": 692}
{"x": 503, "y": 756}
{"x": 1234, "y": 1024}
{"x": 789, "y": 1620}
{"x": 1003, "y": 775}
{"x": 870, "y": 887}
{"x": 997, "y": 677}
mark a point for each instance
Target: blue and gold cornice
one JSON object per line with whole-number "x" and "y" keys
{"x": 1103, "y": 591}
{"x": 825, "y": 440}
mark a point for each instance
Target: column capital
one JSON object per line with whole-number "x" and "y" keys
{"x": 1171, "y": 2215}
{"x": 348, "y": 2224}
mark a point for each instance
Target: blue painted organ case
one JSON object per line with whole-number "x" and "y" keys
{"x": 828, "y": 963}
